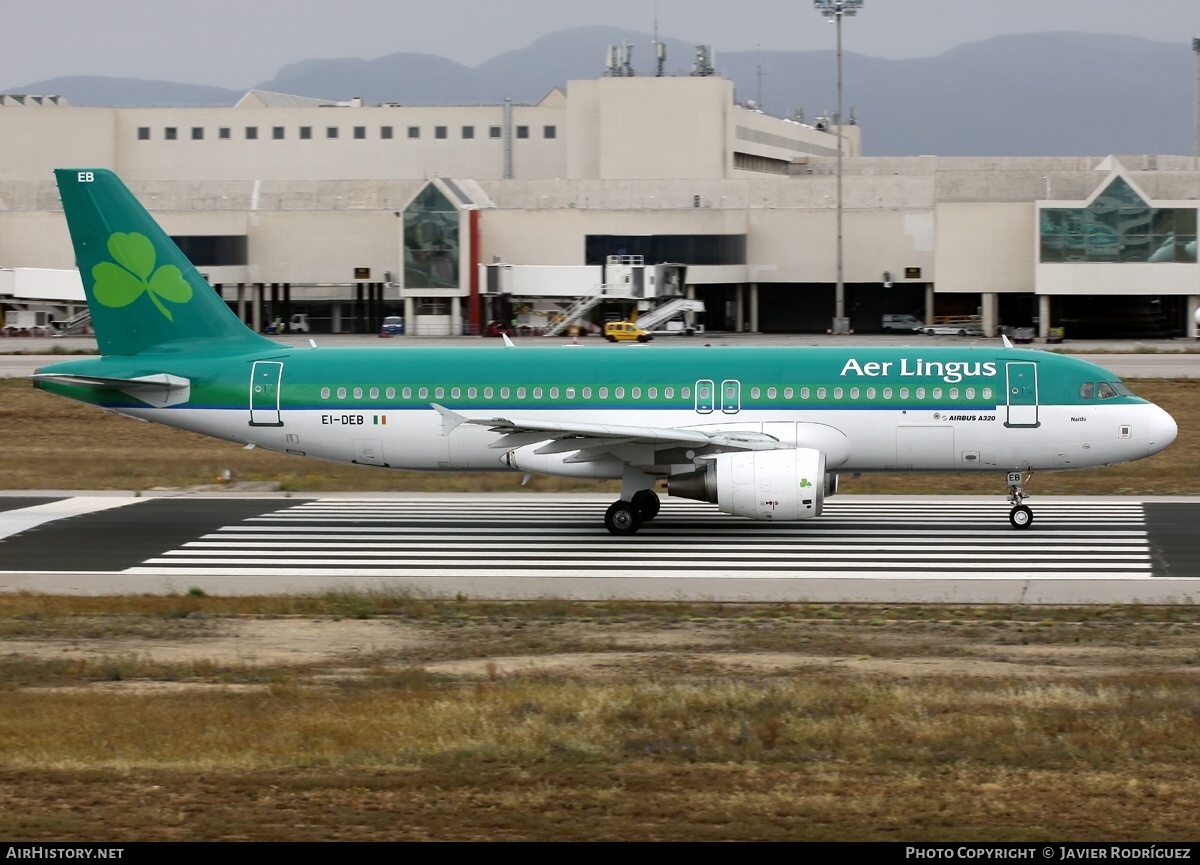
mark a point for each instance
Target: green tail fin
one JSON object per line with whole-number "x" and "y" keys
{"x": 143, "y": 293}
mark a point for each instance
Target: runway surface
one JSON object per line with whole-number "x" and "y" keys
{"x": 871, "y": 548}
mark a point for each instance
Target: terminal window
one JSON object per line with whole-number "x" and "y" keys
{"x": 331, "y": 132}
{"x": 468, "y": 132}
{"x": 550, "y": 132}
{"x": 1118, "y": 226}
{"x": 493, "y": 132}
{"x": 251, "y": 133}
{"x": 414, "y": 132}
{"x": 170, "y": 133}
{"x": 224, "y": 133}
{"x": 305, "y": 132}
{"x": 197, "y": 133}
{"x": 439, "y": 132}
{"x": 360, "y": 133}
{"x": 522, "y": 132}
{"x": 143, "y": 133}
{"x": 385, "y": 132}
{"x": 277, "y": 133}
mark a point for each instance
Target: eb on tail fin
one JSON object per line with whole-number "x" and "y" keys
{"x": 143, "y": 293}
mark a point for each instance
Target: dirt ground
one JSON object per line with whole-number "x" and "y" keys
{"x": 605, "y": 651}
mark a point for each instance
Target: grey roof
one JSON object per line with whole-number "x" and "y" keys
{"x": 267, "y": 99}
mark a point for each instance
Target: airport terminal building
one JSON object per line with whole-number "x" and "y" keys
{"x": 454, "y": 216}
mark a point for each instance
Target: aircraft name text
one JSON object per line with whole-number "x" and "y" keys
{"x": 951, "y": 372}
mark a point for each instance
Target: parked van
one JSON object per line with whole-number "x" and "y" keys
{"x": 907, "y": 323}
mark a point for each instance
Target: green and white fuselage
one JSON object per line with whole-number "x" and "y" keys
{"x": 873, "y": 409}
{"x": 761, "y": 431}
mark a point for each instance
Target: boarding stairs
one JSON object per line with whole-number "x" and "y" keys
{"x": 73, "y": 324}
{"x": 651, "y": 319}
{"x": 576, "y": 310}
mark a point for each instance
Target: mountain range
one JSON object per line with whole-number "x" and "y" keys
{"x": 1043, "y": 94}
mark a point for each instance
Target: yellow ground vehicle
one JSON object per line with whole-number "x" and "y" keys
{"x": 624, "y": 331}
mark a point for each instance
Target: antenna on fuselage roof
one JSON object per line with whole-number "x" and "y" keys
{"x": 1007, "y": 344}
{"x": 508, "y": 343}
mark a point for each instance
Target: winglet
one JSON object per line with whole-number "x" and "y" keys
{"x": 1007, "y": 344}
{"x": 450, "y": 419}
{"x": 508, "y": 343}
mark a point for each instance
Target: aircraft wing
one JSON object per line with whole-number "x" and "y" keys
{"x": 160, "y": 390}
{"x": 588, "y": 441}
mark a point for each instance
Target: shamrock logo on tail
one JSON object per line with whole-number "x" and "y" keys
{"x": 120, "y": 284}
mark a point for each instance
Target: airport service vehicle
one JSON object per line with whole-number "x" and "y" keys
{"x": 393, "y": 325}
{"x": 965, "y": 327}
{"x": 903, "y": 323}
{"x": 625, "y": 331}
{"x": 761, "y": 432}
{"x": 298, "y": 323}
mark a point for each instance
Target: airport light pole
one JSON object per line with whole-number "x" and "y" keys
{"x": 1196, "y": 110}
{"x": 833, "y": 10}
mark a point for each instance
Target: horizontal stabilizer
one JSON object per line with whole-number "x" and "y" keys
{"x": 159, "y": 390}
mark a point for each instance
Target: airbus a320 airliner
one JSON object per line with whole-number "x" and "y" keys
{"x": 762, "y": 432}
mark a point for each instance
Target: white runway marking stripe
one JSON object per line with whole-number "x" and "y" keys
{"x": 861, "y": 538}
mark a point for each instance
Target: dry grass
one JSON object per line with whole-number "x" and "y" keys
{"x": 561, "y": 720}
{"x": 100, "y": 450}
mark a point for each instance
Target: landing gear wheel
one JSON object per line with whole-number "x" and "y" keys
{"x": 647, "y": 504}
{"x": 1021, "y": 517}
{"x": 622, "y": 518}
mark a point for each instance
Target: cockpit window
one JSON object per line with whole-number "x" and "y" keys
{"x": 1107, "y": 391}
{"x": 1087, "y": 390}
{"x": 1122, "y": 389}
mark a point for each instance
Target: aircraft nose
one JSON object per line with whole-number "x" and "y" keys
{"x": 1163, "y": 429}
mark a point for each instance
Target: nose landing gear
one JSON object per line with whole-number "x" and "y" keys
{"x": 1020, "y": 516}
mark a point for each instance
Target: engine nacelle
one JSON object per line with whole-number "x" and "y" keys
{"x": 785, "y": 484}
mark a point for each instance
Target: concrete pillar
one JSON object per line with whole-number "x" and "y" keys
{"x": 256, "y": 312}
{"x": 410, "y": 318}
{"x": 1043, "y": 315}
{"x": 754, "y": 307}
{"x": 241, "y": 302}
{"x": 335, "y": 312}
{"x": 1193, "y": 304}
{"x": 991, "y": 313}
{"x": 929, "y": 295}
{"x": 456, "y": 316}
{"x": 739, "y": 317}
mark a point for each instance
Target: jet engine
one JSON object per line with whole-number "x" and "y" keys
{"x": 788, "y": 484}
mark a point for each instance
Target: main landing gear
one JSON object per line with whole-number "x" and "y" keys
{"x": 1020, "y": 516}
{"x": 626, "y": 517}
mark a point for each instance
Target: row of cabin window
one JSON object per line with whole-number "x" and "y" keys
{"x": 871, "y": 393}
{"x": 278, "y": 133}
{"x": 652, "y": 393}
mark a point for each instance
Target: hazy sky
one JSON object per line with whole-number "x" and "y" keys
{"x": 238, "y": 43}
